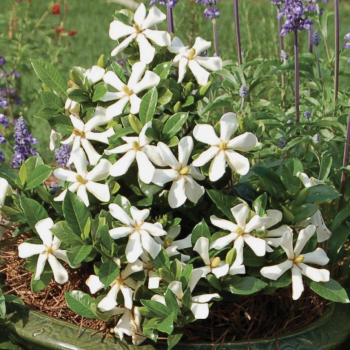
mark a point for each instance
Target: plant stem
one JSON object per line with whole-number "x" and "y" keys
{"x": 216, "y": 38}
{"x": 336, "y": 73}
{"x": 345, "y": 163}
{"x": 8, "y": 93}
{"x": 238, "y": 35}
{"x": 310, "y": 40}
{"x": 280, "y": 39}
{"x": 318, "y": 62}
{"x": 296, "y": 54}
{"x": 170, "y": 20}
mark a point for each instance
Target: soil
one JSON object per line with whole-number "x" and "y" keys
{"x": 252, "y": 317}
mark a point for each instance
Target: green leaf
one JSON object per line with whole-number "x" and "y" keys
{"x": 33, "y": 211}
{"x": 148, "y": 106}
{"x": 223, "y": 202}
{"x": 158, "y": 308}
{"x": 171, "y": 302}
{"x": 325, "y": 168}
{"x": 109, "y": 271}
{"x": 80, "y": 303}
{"x": 304, "y": 211}
{"x": 50, "y": 76}
{"x": 290, "y": 182}
{"x": 99, "y": 92}
{"x": 78, "y": 95}
{"x": 163, "y": 70}
{"x": 173, "y": 339}
{"x": 2, "y": 305}
{"x": 270, "y": 180}
{"x": 259, "y": 204}
{"x": 167, "y": 325}
{"x": 64, "y": 233}
{"x": 174, "y": 124}
{"x": 51, "y": 101}
{"x": 23, "y": 173}
{"x": 124, "y": 203}
{"x": 40, "y": 174}
{"x": 75, "y": 212}
{"x": 231, "y": 256}
{"x": 45, "y": 279}
{"x": 135, "y": 123}
{"x": 243, "y": 285}
{"x": 78, "y": 253}
{"x": 119, "y": 71}
{"x": 32, "y": 163}
{"x": 11, "y": 176}
{"x": 322, "y": 193}
{"x": 200, "y": 230}
{"x": 149, "y": 189}
{"x": 331, "y": 290}
{"x": 14, "y": 299}
{"x": 337, "y": 241}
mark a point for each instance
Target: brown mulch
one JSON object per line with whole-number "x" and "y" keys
{"x": 255, "y": 316}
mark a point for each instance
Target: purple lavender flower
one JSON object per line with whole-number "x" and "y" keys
{"x": 4, "y": 121}
{"x": 293, "y": 11}
{"x": 62, "y": 155}
{"x": 17, "y": 101}
{"x": 282, "y": 143}
{"x": 307, "y": 114}
{"x": 2, "y": 158}
{"x": 316, "y": 38}
{"x": 243, "y": 91}
{"x": 23, "y": 143}
{"x": 2, "y": 61}
{"x": 347, "y": 45}
{"x": 169, "y": 3}
{"x": 3, "y": 103}
{"x": 15, "y": 74}
{"x": 2, "y": 138}
{"x": 277, "y": 2}
{"x": 211, "y": 12}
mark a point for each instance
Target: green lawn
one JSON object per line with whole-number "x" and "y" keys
{"x": 91, "y": 19}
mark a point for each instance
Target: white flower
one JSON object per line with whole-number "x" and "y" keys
{"x": 323, "y": 233}
{"x": 199, "y": 304}
{"x": 138, "y": 230}
{"x": 48, "y": 251}
{"x": 171, "y": 246}
{"x": 83, "y": 181}
{"x": 240, "y": 233}
{"x": 94, "y": 74}
{"x": 54, "y": 136}
{"x": 297, "y": 262}
{"x": 223, "y": 149}
{"x": 141, "y": 32}
{"x": 129, "y": 324}
{"x": 123, "y": 283}
{"x": 72, "y": 107}
{"x": 137, "y": 148}
{"x": 150, "y": 271}
{"x": 273, "y": 237}
{"x": 5, "y": 190}
{"x": 191, "y": 58}
{"x": 182, "y": 175}
{"x": 128, "y": 93}
{"x": 212, "y": 265}
{"x": 82, "y": 135}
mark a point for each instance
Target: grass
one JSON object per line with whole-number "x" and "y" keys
{"x": 91, "y": 18}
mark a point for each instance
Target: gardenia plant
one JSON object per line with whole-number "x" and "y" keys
{"x": 170, "y": 203}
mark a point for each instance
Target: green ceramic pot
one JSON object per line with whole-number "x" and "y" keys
{"x": 35, "y": 331}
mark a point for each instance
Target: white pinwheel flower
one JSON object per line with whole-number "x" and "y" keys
{"x": 48, "y": 251}
{"x": 322, "y": 231}
{"x": 128, "y": 93}
{"x": 138, "y": 148}
{"x": 181, "y": 174}
{"x": 199, "y": 304}
{"x": 240, "y": 233}
{"x": 94, "y": 74}
{"x": 171, "y": 245}
{"x": 191, "y": 58}
{"x": 123, "y": 283}
{"x": 72, "y": 107}
{"x": 141, "y": 32}
{"x": 5, "y": 190}
{"x": 83, "y": 134}
{"x": 138, "y": 230}
{"x": 222, "y": 149}
{"x": 212, "y": 265}
{"x": 297, "y": 262}
{"x": 83, "y": 181}
{"x": 129, "y": 324}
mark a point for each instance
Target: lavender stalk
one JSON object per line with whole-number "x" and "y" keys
{"x": 216, "y": 38}
{"x": 296, "y": 68}
{"x": 345, "y": 163}
{"x": 238, "y": 35}
{"x": 170, "y": 20}
{"x": 337, "y": 50}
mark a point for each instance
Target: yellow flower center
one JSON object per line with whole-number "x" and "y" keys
{"x": 240, "y": 231}
{"x": 81, "y": 180}
{"x": 191, "y": 54}
{"x": 49, "y": 250}
{"x": 215, "y": 262}
{"x": 223, "y": 145}
{"x": 136, "y": 146}
{"x": 79, "y": 133}
{"x": 127, "y": 90}
{"x": 299, "y": 259}
{"x": 185, "y": 170}
{"x": 137, "y": 28}
{"x": 149, "y": 266}
{"x": 168, "y": 242}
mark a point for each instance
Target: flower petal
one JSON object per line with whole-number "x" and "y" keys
{"x": 109, "y": 301}
{"x": 240, "y": 212}
{"x": 99, "y": 118}
{"x": 196, "y": 275}
{"x": 275, "y": 217}
{"x": 100, "y": 191}
{"x": 124, "y": 44}
{"x": 59, "y": 273}
{"x": 119, "y": 30}
{"x": 100, "y": 136}
{"x": 160, "y": 38}
{"x": 125, "y": 325}
{"x": 297, "y": 282}
{"x": 139, "y": 216}
{"x": 224, "y": 224}
{"x": 317, "y": 275}
{"x": 127, "y": 294}
{"x": 95, "y": 74}
{"x": 43, "y": 228}
{"x": 185, "y": 149}
{"x": 120, "y": 149}
{"x": 195, "y": 173}
{"x": 177, "y": 194}
{"x": 149, "y": 244}
{"x": 119, "y": 213}
{"x": 133, "y": 248}
{"x": 278, "y": 232}
{"x": 276, "y": 271}
{"x": 176, "y": 45}
{"x": 149, "y": 80}
{"x": 201, "y": 75}
{"x": 201, "y": 45}
{"x": 147, "y": 51}
{"x": 153, "y": 155}
{"x": 168, "y": 156}
{"x": 221, "y": 271}
{"x": 117, "y": 108}
{"x": 258, "y": 245}
{"x": 183, "y": 243}
{"x": 256, "y": 222}
{"x": 213, "y": 64}
{"x": 26, "y": 250}
{"x": 228, "y": 125}
{"x": 137, "y": 266}
{"x": 223, "y": 242}
{"x": 193, "y": 191}
{"x": 205, "y": 298}
{"x": 303, "y": 237}
{"x": 92, "y": 154}
{"x": 113, "y": 80}
{"x": 80, "y": 162}
{"x": 304, "y": 179}
{"x": 100, "y": 171}
{"x": 183, "y": 63}
{"x": 237, "y": 267}
{"x": 237, "y": 162}
{"x": 318, "y": 257}
{"x": 140, "y": 14}
{"x": 323, "y": 233}
{"x": 123, "y": 164}
{"x": 120, "y": 232}
{"x": 287, "y": 244}
{"x": 155, "y": 16}
{"x": 176, "y": 288}
{"x": 244, "y": 143}
{"x": 206, "y": 156}
{"x": 202, "y": 248}
{"x": 82, "y": 194}
{"x": 162, "y": 176}
{"x": 217, "y": 167}
{"x": 94, "y": 283}
{"x": 40, "y": 266}
{"x": 135, "y": 103}
{"x": 153, "y": 229}
{"x": 146, "y": 168}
